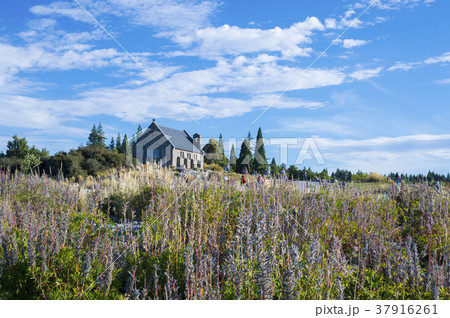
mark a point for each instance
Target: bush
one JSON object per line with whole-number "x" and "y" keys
{"x": 92, "y": 166}
{"x": 213, "y": 167}
{"x": 82, "y": 162}
{"x": 119, "y": 206}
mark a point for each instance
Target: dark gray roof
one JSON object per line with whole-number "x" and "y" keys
{"x": 179, "y": 139}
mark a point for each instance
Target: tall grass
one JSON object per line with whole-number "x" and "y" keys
{"x": 182, "y": 238}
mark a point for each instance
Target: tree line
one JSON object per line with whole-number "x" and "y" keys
{"x": 96, "y": 157}
{"x": 251, "y": 159}
{"x": 87, "y": 160}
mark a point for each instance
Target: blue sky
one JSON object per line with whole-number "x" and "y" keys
{"x": 376, "y": 100}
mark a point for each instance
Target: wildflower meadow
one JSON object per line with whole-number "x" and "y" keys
{"x": 151, "y": 233}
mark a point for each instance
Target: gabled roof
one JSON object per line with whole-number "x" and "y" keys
{"x": 179, "y": 139}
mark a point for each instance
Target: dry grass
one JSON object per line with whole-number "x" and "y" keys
{"x": 203, "y": 238}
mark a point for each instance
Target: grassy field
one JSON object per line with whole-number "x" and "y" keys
{"x": 152, "y": 234}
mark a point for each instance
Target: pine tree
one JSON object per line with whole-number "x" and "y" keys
{"x": 124, "y": 146}
{"x": 93, "y": 136}
{"x": 100, "y": 136}
{"x": 118, "y": 142}
{"x": 245, "y": 157}
{"x": 112, "y": 144}
{"x": 139, "y": 132}
{"x": 260, "y": 161}
{"x": 97, "y": 136}
{"x": 221, "y": 148}
{"x": 274, "y": 169}
{"x": 233, "y": 157}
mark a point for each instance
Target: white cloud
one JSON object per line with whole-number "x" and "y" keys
{"x": 381, "y": 141}
{"x": 411, "y": 154}
{"x": 401, "y": 67}
{"x": 69, "y": 51}
{"x": 351, "y": 43}
{"x": 391, "y": 4}
{"x": 201, "y": 93}
{"x": 62, "y": 8}
{"x": 42, "y": 24}
{"x": 131, "y": 106}
{"x": 343, "y": 22}
{"x": 443, "y": 81}
{"x": 364, "y": 74}
{"x": 172, "y": 14}
{"x": 444, "y": 58}
{"x": 165, "y": 14}
{"x": 14, "y": 59}
{"x": 233, "y": 40}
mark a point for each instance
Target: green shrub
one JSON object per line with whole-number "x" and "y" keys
{"x": 213, "y": 167}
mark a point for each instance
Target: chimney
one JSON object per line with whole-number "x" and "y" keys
{"x": 197, "y": 141}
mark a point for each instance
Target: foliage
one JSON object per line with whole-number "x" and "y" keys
{"x": 124, "y": 146}
{"x": 30, "y": 162}
{"x": 18, "y": 148}
{"x": 260, "y": 161}
{"x": 214, "y": 153}
{"x": 20, "y": 157}
{"x": 149, "y": 234}
{"x": 84, "y": 161}
{"x": 220, "y": 145}
{"x": 233, "y": 157}
{"x": 97, "y": 137}
{"x": 244, "y": 162}
{"x": 213, "y": 167}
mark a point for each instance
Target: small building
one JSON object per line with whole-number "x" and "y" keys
{"x": 169, "y": 147}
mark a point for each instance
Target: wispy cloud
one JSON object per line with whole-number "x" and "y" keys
{"x": 364, "y": 74}
{"x": 442, "y": 59}
{"x": 393, "y": 4}
{"x": 387, "y": 154}
{"x": 351, "y": 43}
{"x": 445, "y": 81}
{"x": 164, "y": 14}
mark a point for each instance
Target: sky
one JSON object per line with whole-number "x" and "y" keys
{"x": 351, "y": 84}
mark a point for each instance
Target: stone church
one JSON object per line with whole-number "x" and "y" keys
{"x": 169, "y": 147}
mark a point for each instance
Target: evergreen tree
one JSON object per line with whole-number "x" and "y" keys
{"x": 112, "y": 144}
{"x": 139, "y": 132}
{"x": 124, "y": 146}
{"x": 100, "y": 136}
{"x": 245, "y": 157}
{"x": 97, "y": 136}
{"x": 249, "y": 138}
{"x": 221, "y": 148}
{"x": 93, "y": 136}
{"x": 118, "y": 142}
{"x": 17, "y": 148}
{"x": 274, "y": 169}
{"x": 233, "y": 157}
{"x": 260, "y": 161}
